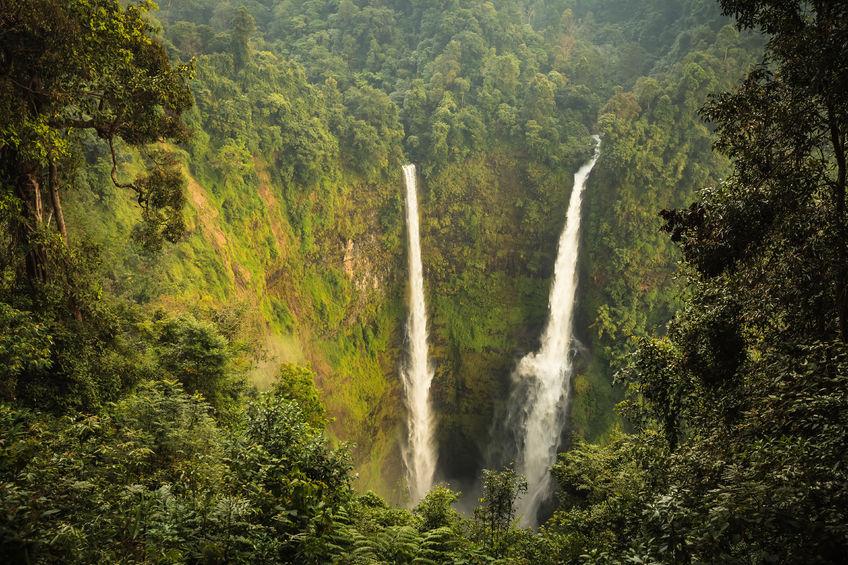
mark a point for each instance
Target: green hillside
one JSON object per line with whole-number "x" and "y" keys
{"x": 204, "y": 281}
{"x": 294, "y": 192}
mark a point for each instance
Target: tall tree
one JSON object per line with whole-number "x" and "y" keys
{"x": 74, "y": 66}
{"x": 786, "y": 130}
{"x": 749, "y": 384}
{"x": 244, "y": 25}
{"x": 747, "y": 390}
{"x": 496, "y": 513}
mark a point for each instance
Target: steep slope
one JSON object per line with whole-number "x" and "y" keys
{"x": 301, "y": 253}
{"x": 304, "y": 110}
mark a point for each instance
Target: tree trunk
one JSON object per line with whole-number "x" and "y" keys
{"x": 57, "y": 202}
{"x": 33, "y": 186}
{"x": 53, "y": 184}
{"x": 29, "y": 192}
{"x": 838, "y": 141}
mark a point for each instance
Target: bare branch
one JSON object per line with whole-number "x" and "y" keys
{"x": 114, "y": 172}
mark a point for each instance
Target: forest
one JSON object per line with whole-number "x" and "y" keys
{"x": 207, "y": 280}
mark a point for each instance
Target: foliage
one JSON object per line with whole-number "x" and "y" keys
{"x": 154, "y": 477}
{"x": 128, "y": 429}
{"x": 75, "y": 66}
{"x": 51, "y": 359}
{"x": 297, "y": 383}
{"x": 436, "y": 509}
{"x": 496, "y": 513}
{"x": 741, "y": 406}
{"x": 196, "y": 354}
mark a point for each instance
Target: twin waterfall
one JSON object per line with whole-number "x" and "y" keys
{"x": 420, "y": 453}
{"x": 544, "y": 377}
{"x": 542, "y": 380}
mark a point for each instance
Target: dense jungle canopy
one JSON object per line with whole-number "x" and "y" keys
{"x": 203, "y": 278}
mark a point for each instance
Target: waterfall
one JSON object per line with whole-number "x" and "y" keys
{"x": 543, "y": 379}
{"x": 420, "y": 453}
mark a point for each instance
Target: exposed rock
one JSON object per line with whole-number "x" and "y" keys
{"x": 348, "y": 259}
{"x": 359, "y": 265}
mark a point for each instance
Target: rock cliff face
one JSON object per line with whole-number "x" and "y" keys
{"x": 348, "y": 259}
{"x": 245, "y": 252}
{"x": 295, "y": 203}
{"x": 359, "y": 267}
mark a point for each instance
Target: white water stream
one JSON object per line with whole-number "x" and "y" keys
{"x": 420, "y": 452}
{"x": 545, "y": 376}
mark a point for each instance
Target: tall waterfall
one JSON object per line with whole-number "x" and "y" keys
{"x": 420, "y": 453}
{"x": 543, "y": 378}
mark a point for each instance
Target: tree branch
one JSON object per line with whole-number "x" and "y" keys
{"x": 114, "y": 173}
{"x": 78, "y": 123}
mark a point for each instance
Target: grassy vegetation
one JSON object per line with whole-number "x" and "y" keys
{"x": 293, "y": 166}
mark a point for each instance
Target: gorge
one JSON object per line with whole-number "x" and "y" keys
{"x": 601, "y": 319}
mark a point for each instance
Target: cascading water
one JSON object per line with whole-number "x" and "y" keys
{"x": 543, "y": 379}
{"x": 420, "y": 453}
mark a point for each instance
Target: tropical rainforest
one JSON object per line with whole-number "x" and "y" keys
{"x": 203, "y": 278}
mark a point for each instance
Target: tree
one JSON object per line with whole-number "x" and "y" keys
{"x": 195, "y": 353}
{"x": 436, "y": 509}
{"x": 748, "y": 385}
{"x": 785, "y": 129}
{"x": 84, "y": 66}
{"x": 495, "y": 515}
{"x": 297, "y": 383}
{"x": 244, "y": 25}
{"x": 134, "y": 471}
